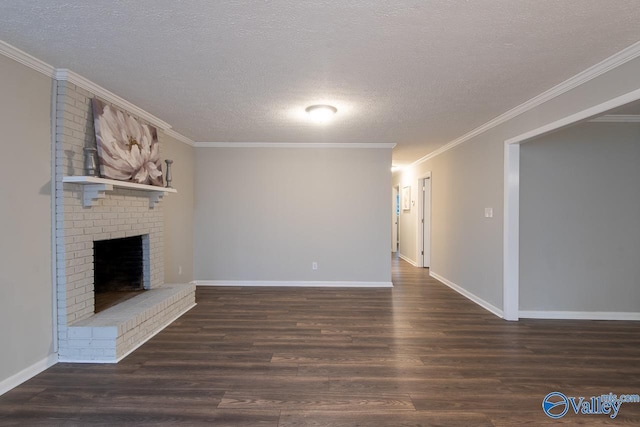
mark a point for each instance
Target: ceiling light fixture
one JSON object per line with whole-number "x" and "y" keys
{"x": 321, "y": 112}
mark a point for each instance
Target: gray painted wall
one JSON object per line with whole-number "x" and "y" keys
{"x": 266, "y": 214}
{"x": 178, "y": 211}
{"x": 26, "y": 288}
{"x": 580, "y": 219}
{"x": 466, "y": 247}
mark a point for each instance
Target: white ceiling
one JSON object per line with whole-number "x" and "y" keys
{"x": 417, "y": 73}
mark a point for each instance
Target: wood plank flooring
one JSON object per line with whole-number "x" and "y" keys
{"x": 415, "y": 355}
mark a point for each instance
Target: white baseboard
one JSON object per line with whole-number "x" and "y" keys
{"x": 482, "y": 303}
{"x": 28, "y": 373}
{"x": 579, "y": 315}
{"x": 294, "y": 284}
{"x": 409, "y": 260}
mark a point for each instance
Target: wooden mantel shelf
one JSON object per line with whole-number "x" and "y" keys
{"x": 94, "y": 188}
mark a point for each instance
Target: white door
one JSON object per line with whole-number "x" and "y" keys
{"x": 426, "y": 223}
{"x": 395, "y": 210}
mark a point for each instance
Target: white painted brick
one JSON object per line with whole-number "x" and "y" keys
{"x": 121, "y": 213}
{"x": 90, "y": 354}
{"x": 75, "y": 277}
{"x": 102, "y": 236}
{"x": 93, "y": 230}
{"x": 74, "y": 232}
{"x": 109, "y": 352}
{"x": 105, "y": 332}
{"x": 68, "y": 353}
{"x": 83, "y": 268}
{"x": 83, "y": 239}
{"x": 84, "y": 253}
{"x": 78, "y": 343}
{"x": 76, "y": 333}
{"x": 117, "y": 234}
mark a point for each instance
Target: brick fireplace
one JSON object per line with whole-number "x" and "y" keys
{"x": 107, "y": 336}
{"x": 120, "y": 270}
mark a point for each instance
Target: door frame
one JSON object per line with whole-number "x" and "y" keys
{"x": 511, "y": 224}
{"x": 419, "y": 225}
{"x": 395, "y": 219}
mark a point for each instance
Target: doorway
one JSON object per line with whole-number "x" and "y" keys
{"x": 425, "y": 222}
{"x": 395, "y": 219}
{"x": 511, "y": 222}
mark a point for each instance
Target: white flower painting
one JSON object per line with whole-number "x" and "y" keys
{"x": 128, "y": 150}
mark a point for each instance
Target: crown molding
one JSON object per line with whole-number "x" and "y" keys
{"x": 180, "y": 137}
{"x": 290, "y": 145}
{"x": 617, "y": 118}
{"x": 628, "y": 54}
{"x": 63, "y": 74}
{"x": 25, "y": 59}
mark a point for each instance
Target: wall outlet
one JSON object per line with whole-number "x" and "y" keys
{"x": 488, "y": 212}
{"x": 179, "y": 270}
{"x": 314, "y": 265}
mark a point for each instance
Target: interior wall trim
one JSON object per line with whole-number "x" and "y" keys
{"x": 294, "y": 283}
{"x": 28, "y": 373}
{"x": 617, "y": 118}
{"x": 459, "y": 289}
{"x": 179, "y": 137}
{"x": 616, "y": 60}
{"x": 407, "y": 259}
{"x": 579, "y": 315}
{"x": 511, "y": 223}
{"x": 63, "y": 74}
{"x": 290, "y": 145}
{"x": 25, "y": 59}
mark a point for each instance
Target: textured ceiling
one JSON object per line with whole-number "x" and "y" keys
{"x": 417, "y": 73}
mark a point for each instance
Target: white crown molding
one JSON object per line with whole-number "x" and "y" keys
{"x": 25, "y": 59}
{"x": 579, "y": 315}
{"x": 459, "y": 289}
{"x": 293, "y": 284}
{"x": 617, "y": 118}
{"x": 583, "y": 115}
{"x": 64, "y": 74}
{"x": 291, "y": 145}
{"x": 34, "y": 63}
{"x": 180, "y": 137}
{"x": 590, "y": 73}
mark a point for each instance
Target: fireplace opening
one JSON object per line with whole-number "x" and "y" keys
{"x": 118, "y": 270}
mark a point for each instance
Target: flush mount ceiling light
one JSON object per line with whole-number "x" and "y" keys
{"x": 321, "y": 112}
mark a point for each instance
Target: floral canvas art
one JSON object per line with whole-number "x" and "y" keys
{"x": 128, "y": 150}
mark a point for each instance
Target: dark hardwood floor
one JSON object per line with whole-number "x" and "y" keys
{"x": 417, "y": 354}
